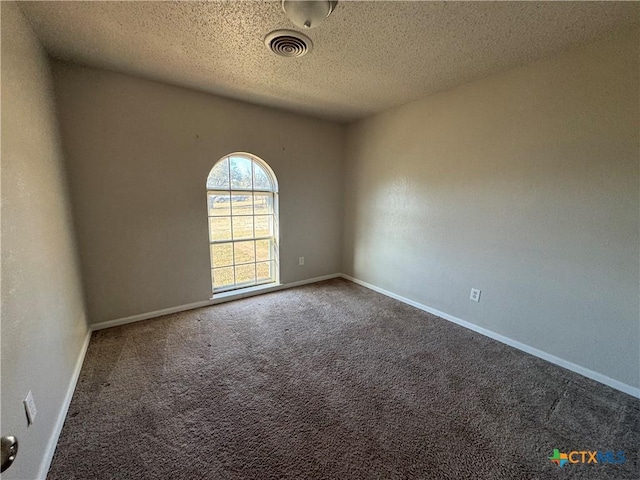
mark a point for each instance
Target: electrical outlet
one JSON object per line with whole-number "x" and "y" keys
{"x": 30, "y": 408}
{"x": 475, "y": 295}
{"x": 301, "y": 261}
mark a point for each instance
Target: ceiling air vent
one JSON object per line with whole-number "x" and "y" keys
{"x": 288, "y": 43}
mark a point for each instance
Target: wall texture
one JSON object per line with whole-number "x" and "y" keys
{"x": 43, "y": 317}
{"x": 524, "y": 185}
{"x": 138, "y": 155}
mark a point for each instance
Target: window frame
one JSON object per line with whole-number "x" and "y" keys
{"x": 274, "y": 240}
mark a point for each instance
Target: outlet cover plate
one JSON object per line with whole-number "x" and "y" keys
{"x": 30, "y": 407}
{"x": 475, "y": 295}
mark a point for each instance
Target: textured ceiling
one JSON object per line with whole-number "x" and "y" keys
{"x": 368, "y": 56}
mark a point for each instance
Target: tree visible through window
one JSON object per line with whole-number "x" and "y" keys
{"x": 242, "y": 202}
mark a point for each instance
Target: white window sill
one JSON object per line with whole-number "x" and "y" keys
{"x": 245, "y": 292}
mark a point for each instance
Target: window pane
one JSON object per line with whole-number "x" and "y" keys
{"x": 263, "y": 250}
{"x": 263, "y": 203}
{"x": 219, "y": 204}
{"x": 241, "y": 173}
{"x": 263, "y": 225}
{"x": 261, "y": 180}
{"x": 219, "y": 176}
{"x": 245, "y": 252}
{"x": 219, "y": 228}
{"x": 241, "y": 203}
{"x": 246, "y": 273}
{"x": 221, "y": 254}
{"x": 242, "y": 227}
{"x": 263, "y": 271}
{"x": 222, "y": 277}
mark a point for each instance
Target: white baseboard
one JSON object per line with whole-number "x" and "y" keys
{"x": 220, "y": 298}
{"x": 598, "y": 377}
{"x": 62, "y": 414}
{"x": 311, "y": 280}
{"x": 148, "y": 315}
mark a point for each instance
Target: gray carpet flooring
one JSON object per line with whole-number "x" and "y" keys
{"x": 330, "y": 381}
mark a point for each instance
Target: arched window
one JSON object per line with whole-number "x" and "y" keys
{"x": 242, "y": 200}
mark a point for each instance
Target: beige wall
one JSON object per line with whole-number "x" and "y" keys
{"x": 43, "y": 318}
{"x": 524, "y": 185}
{"x": 139, "y": 153}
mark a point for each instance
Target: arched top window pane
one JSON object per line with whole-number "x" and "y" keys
{"x": 219, "y": 176}
{"x": 239, "y": 172}
{"x": 261, "y": 179}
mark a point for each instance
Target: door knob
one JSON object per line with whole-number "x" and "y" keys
{"x": 9, "y": 451}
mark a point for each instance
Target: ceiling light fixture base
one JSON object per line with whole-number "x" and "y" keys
{"x": 308, "y": 13}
